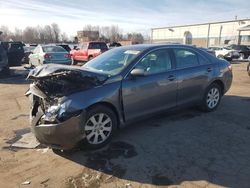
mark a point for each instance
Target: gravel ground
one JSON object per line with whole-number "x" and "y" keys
{"x": 184, "y": 148}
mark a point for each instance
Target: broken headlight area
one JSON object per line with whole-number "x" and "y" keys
{"x": 58, "y": 113}
{"x": 54, "y": 113}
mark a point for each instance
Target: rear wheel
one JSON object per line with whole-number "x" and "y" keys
{"x": 100, "y": 125}
{"x": 242, "y": 56}
{"x": 90, "y": 58}
{"x": 74, "y": 62}
{"x": 212, "y": 97}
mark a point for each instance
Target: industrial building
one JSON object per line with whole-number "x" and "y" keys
{"x": 205, "y": 34}
{"x": 86, "y": 36}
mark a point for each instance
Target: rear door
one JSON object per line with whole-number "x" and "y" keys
{"x": 193, "y": 72}
{"x": 154, "y": 91}
{"x": 81, "y": 53}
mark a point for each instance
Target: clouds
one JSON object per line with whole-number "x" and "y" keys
{"x": 130, "y": 15}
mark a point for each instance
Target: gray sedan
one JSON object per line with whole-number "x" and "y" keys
{"x": 89, "y": 103}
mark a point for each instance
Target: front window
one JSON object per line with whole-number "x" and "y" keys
{"x": 112, "y": 62}
{"x": 155, "y": 62}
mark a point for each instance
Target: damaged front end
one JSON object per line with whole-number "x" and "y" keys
{"x": 54, "y": 120}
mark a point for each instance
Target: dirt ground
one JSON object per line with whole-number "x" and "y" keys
{"x": 184, "y": 148}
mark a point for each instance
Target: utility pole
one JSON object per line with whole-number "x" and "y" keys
{"x": 208, "y": 33}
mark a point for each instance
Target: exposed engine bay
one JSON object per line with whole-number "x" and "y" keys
{"x": 52, "y": 83}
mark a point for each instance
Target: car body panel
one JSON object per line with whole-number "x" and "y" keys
{"x": 144, "y": 95}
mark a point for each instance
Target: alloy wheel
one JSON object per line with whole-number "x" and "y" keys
{"x": 213, "y": 97}
{"x": 98, "y": 128}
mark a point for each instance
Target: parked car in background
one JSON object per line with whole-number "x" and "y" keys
{"x": 114, "y": 44}
{"x": 65, "y": 46}
{"x": 225, "y": 53}
{"x": 15, "y": 52}
{"x": 70, "y": 104}
{"x": 243, "y": 50}
{"x": 4, "y": 66}
{"x": 87, "y": 51}
{"x": 210, "y": 51}
{"x": 47, "y": 54}
{"x": 27, "y": 51}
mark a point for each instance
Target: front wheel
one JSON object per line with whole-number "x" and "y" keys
{"x": 100, "y": 125}
{"x": 220, "y": 57}
{"x": 212, "y": 97}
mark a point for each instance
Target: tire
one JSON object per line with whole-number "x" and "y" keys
{"x": 90, "y": 58}
{"x": 220, "y": 56}
{"x": 242, "y": 56}
{"x": 98, "y": 132}
{"x": 212, "y": 98}
{"x": 74, "y": 62}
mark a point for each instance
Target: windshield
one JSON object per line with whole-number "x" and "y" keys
{"x": 53, "y": 49}
{"x": 112, "y": 62}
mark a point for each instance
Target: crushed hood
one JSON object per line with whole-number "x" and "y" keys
{"x": 61, "y": 80}
{"x": 51, "y": 70}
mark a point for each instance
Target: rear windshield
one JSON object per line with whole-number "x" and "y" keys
{"x": 97, "y": 45}
{"x": 53, "y": 49}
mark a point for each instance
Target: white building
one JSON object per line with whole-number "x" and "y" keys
{"x": 205, "y": 34}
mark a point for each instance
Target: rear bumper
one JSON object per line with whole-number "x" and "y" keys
{"x": 228, "y": 79}
{"x": 80, "y": 58}
{"x": 66, "y": 62}
{"x": 63, "y": 135}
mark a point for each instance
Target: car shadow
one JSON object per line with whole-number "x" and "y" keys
{"x": 179, "y": 146}
{"x": 14, "y": 79}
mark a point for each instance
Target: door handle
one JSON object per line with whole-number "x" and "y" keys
{"x": 171, "y": 77}
{"x": 209, "y": 69}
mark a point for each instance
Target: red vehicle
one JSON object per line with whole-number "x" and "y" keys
{"x": 87, "y": 51}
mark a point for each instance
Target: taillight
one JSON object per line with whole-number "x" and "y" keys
{"x": 47, "y": 56}
{"x": 67, "y": 56}
{"x": 230, "y": 67}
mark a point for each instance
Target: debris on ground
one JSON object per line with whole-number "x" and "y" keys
{"x": 26, "y": 183}
{"x": 128, "y": 185}
{"x": 44, "y": 150}
{"x": 27, "y": 140}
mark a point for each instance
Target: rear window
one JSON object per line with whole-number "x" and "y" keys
{"x": 53, "y": 49}
{"x": 98, "y": 45}
{"x": 185, "y": 58}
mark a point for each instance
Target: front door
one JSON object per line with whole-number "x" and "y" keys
{"x": 154, "y": 91}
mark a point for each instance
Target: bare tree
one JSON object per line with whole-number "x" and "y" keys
{"x": 136, "y": 38}
{"x": 17, "y": 35}
{"x": 64, "y": 37}
{"x": 56, "y": 31}
{"x": 6, "y": 33}
{"x": 115, "y": 33}
{"x": 49, "y": 37}
{"x": 30, "y": 35}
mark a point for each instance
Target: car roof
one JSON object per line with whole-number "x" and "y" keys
{"x": 142, "y": 47}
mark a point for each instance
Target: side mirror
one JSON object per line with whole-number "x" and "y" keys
{"x": 137, "y": 72}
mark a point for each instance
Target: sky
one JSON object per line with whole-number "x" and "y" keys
{"x": 129, "y": 15}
